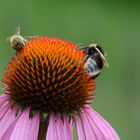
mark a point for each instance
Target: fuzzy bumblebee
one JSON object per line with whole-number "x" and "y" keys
{"x": 17, "y": 41}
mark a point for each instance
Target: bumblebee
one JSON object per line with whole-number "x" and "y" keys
{"x": 17, "y": 41}
{"x": 94, "y": 59}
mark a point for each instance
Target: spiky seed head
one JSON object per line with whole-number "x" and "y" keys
{"x": 46, "y": 77}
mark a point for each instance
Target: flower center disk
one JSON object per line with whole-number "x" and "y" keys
{"x": 47, "y": 76}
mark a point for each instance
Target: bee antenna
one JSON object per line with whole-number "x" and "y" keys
{"x": 17, "y": 32}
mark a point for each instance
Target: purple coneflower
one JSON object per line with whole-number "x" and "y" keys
{"x": 48, "y": 93}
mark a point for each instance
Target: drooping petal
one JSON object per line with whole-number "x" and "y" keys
{"x": 59, "y": 126}
{"x": 33, "y": 128}
{"x": 98, "y": 134}
{"x": 3, "y": 99}
{"x": 7, "y": 119}
{"x": 4, "y": 109}
{"x": 102, "y": 124}
{"x": 25, "y": 128}
{"x": 80, "y": 129}
{"x": 91, "y": 126}
{"x": 63, "y": 128}
{"x": 9, "y": 131}
{"x": 51, "y": 132}
{"x": 85, "y": 128}
{"x": 67, "y": 129}
{"x": 59, "y": 129}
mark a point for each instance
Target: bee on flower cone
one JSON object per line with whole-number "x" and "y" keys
{"x": 47, "y": 93}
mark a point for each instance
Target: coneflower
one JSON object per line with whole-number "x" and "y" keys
{"x": 47, "y": 93}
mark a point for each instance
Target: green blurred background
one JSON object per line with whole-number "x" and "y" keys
{"x": 115, "y": 25}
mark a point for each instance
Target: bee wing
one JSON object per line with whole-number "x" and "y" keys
{"x": 17, "y": 31}
{"x": 91, "y": 67}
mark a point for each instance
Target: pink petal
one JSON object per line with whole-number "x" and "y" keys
{"x": 3, "y": 98}
{"x": 99, "y": 135}
{"x": 33, "y": 128}
{"x": 63, "y": 128}
{"x": 4, "y": 109}
{"x": 51, "y": 132}
{"x": 80, "y": 129}
{"x": 6, "y": 120}
{"x": 88, "y": 133}
{"x": 67, "y": 128}
{"x": 58, "y": 129}
{"x": 9, "y": 131}
{"x": 25, "y": 128}
{"x": 59, "y": 126}
{"x": 102, "y": 124}
{"x": 94, "y": 127}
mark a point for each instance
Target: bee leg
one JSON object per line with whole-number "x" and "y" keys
{"x": 31, "y": 37}
{"x": 17, "y": 32}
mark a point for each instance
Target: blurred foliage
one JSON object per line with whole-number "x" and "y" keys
{"x": 113, "y": 24}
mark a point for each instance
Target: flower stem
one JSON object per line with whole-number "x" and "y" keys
{"x": 42, "y": 129}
